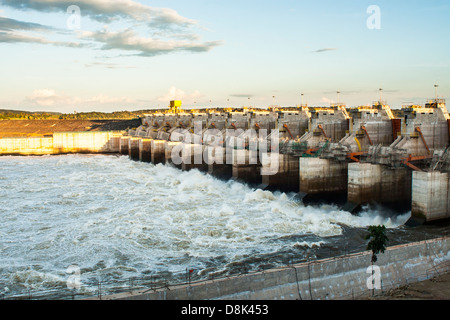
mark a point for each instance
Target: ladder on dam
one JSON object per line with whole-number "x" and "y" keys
{"x": 441, "y": 160}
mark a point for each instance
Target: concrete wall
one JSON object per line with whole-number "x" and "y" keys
{"x": 157, "y": 151}
{"x": 123, "y": 145}
{"x": 144, "y": 150}
{"x": 369, "y": 182}
{"x": 63, "y": 142}
{"x": 343, "y": 277}
{"x": 133, "y": 148}
{"x": 322, "y": 176}
{"x": 86, "y": 142}
{"x": 286, "y": 177}
{"x": 26, "y": 146}
{"x": 246, "y": 167}
{"x": 430, "y": 196}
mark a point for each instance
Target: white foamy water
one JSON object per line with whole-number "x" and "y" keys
{"x": 117, "y": 218}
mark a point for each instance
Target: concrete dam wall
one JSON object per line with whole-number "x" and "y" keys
{"x": 341, "y": 278}
{"x": 357, "y": 156}
{"x": 63, "y": 142}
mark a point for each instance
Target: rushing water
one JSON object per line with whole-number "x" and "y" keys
{"x": 118, "y": 219}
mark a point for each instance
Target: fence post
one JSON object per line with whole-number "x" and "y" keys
{"x": 309, "y": 279}
{"x": 131, "y": 284}
{"x": 99, "y": 294}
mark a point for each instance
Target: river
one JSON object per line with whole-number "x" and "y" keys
{"x": 123, "y": 223}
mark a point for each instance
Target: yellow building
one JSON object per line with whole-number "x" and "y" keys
{"x": 175, "y": 106}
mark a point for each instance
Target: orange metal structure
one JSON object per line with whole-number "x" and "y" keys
{"x": 289, "y": 131}
{"x": 353, "y": 156}
{"x": 323, "y": 131}
{"x": 367, "y": 134}
{"x": 423, "y": 139}
{"x": 408, "y": 161}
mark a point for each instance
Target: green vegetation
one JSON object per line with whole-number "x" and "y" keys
{"x": 25, "y": 115}
{"x": 378, "y": 240}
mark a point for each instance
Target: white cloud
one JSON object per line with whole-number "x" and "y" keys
{"x": 50, "y": 98}
{"x": 108, "y": 65}
{"x": 47, "y": 98}
{"x": 326, "y": 100}
{"x": 106, "y": 10}
{"x": 171, "y": 31}
{"x": 177, "y": 94}
{"x": 129, "y": 40}
{"x": 20, "y": 37}
{"x": 15, "y": 31}
{"x": 103, "y": 99}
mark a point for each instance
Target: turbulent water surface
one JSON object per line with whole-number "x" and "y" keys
{"x": 118, "y": 219}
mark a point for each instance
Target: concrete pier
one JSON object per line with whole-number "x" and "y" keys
{"x": 168, "y": 148}
{"x": 133, "y": 148}
{"x": 193, "y": 158}
{"x": 218, "y": 166}
{"x": 323, "y": 177}
{"x": 430, "y": 196}
{"x": 145, "y": 154}
{"x": 157, "y": 151}
{"x": 287, "y": 177}
{"x": 374, "y": 183}
{"x": 246, "y": 167}
{"x": 123, "y": 149}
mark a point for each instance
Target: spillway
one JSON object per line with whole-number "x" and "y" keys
{"x": 119, "y": 219}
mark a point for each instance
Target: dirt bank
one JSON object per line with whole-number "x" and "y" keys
{"x": 41, "y": 128}
{"x": 437, "y": 288}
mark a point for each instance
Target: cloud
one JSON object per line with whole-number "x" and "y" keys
{"x": 49, "y": 98}
{"x": 7, "y": 24}
{"x": 344, "y": 92}
{"x": 106, "y": 10}
{"x": 326, "y": 100}
{"x": 108, "y": 65}
{"x": 104, "y": 99}
{"x": 15, "y": 37}
{"x": 15, "y": 31}
{"x": 177, "y": 94}
{"x": 325, "y": 50}
{"x": 164, "y": 30}
{"x": 241, "y": 95}
{"x": 129, "y": 40}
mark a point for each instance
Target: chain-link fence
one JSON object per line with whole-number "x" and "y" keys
{"x": 97, "y": 288}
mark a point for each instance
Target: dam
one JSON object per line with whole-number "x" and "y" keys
{"x": 332, "y": 167}
{"x": 349, "y": 156}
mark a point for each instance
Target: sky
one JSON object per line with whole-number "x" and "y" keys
{"x": 98, "y": 55}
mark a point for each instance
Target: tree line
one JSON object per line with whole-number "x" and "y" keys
{"x": 119, "y": 115}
